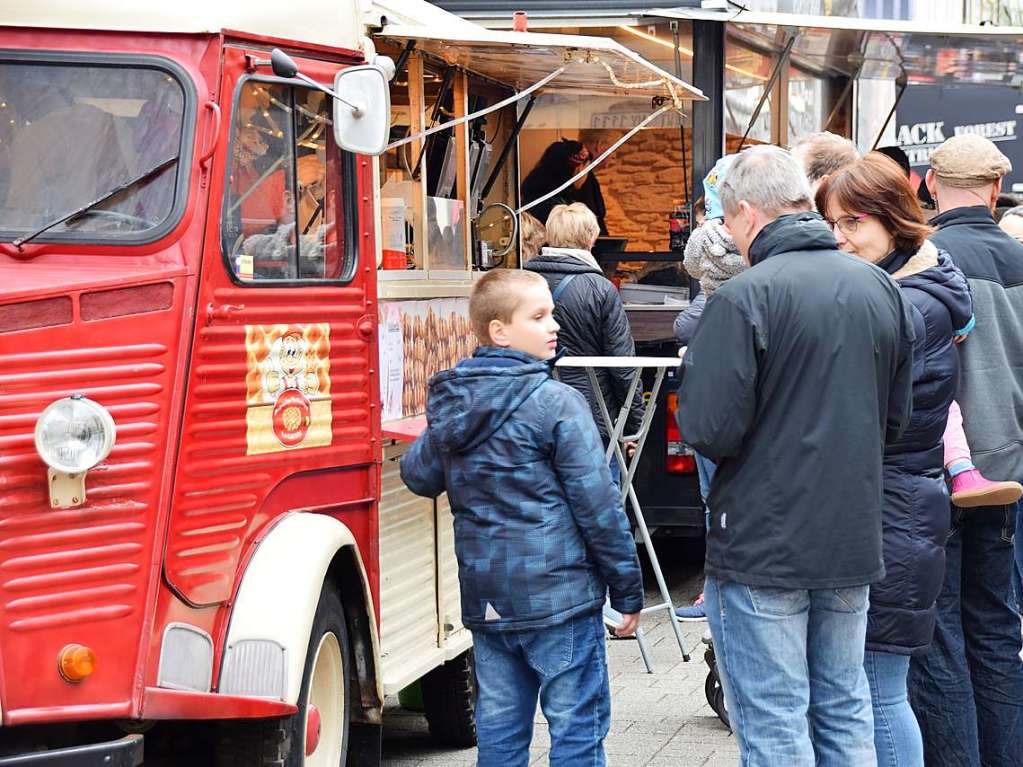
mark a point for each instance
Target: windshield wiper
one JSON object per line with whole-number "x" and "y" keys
{"x": 88, "y": 206}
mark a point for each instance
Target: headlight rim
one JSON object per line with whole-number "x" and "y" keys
{"x": 109, "y": 434}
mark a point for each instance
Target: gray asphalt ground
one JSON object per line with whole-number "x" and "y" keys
{"x": 660, "y": 719}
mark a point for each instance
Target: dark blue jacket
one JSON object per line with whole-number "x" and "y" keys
{"x": 915, "y": 514}
{"x": 540, "y": 532}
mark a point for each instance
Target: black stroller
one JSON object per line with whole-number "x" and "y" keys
{"x": 712, "y": 687}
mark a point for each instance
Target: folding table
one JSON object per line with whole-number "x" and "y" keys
{"x": 616, "y": 428}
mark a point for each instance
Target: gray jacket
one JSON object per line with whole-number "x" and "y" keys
{"x": 991, "y": 359}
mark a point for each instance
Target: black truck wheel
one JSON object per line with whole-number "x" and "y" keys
{"x": 449, "y": 701}
{"x": 316, "y": 736}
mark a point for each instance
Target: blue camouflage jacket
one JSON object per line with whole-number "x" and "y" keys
{"x": 540, "y": 532}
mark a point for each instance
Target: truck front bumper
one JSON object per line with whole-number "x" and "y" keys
{"x": 126, "y": 752}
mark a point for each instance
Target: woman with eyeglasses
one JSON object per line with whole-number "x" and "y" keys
{"x": 876, "y": 217}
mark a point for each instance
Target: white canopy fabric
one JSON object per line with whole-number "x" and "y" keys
{"x": 592, "y": 65}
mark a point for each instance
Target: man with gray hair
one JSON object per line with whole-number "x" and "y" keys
{"x": 798, "y": 372}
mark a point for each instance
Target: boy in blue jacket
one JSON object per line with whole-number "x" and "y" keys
{"x": 540, "y": 532}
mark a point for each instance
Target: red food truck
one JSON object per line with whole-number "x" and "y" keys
{"x": 206, "y": 380}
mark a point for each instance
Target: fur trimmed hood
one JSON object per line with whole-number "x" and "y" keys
{"x": 932, "y": 271}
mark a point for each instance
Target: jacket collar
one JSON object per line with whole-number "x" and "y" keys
{"x": 577, "y": 253}
{"x": 789, "y": 233}
{"x": 974, "y": 214}
{"x": 924, "y": 259}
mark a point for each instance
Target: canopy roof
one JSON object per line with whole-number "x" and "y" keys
{"x": 593, "y": 65}
{"x": 877, "y": 48}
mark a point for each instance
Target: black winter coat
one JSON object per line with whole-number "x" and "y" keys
{"x": 593, "y": 324}
{"x": 916, "y": 505}
{"x": 798, "y": 370}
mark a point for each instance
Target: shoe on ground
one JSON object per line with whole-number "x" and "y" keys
{"x": 691, "y": 613}
{"x": 970, "y": 489}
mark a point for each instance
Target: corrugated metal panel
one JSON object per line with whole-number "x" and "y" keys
{"x": 80, "y": 574}
{"x": 408, "y": 578}
{"x": 450, "y": 596}
{"x": 221, "y": 488}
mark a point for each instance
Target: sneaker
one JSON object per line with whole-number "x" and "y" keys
{"x": 693, "y": 613}
{"x": 971, "y": 489}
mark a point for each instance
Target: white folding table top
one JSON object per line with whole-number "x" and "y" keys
{"x": 619, "y": 362}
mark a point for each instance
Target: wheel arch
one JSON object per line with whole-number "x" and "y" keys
{"x": 276, "y": 603}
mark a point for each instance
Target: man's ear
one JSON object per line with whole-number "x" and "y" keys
{"x": 498, "y": 334}
{"x": 996, "y": 189}
{"x": 749, "y": 216}
{"x": 931, "y": 181}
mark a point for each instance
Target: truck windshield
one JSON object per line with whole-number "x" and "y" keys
{"x": 71, "y": 133}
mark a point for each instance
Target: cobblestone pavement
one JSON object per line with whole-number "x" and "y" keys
{"x": 660, "y": 719}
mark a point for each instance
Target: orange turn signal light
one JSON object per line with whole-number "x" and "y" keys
{"x": 76, "y": 662}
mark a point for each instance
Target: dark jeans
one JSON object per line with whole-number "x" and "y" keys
{"x": 967, "y": 689}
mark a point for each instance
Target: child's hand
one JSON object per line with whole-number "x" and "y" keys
{"x": 960, "y": 338}
{"x": 628, "y": 626}
{"x": 630, "y": 448}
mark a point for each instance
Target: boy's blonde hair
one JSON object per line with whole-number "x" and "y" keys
{"x": 495, "y": 296}
{"x": 572, "y": 226}
{"x": 534, "y": 236}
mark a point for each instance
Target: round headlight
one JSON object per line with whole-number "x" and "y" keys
{"x": 74, "y": 434}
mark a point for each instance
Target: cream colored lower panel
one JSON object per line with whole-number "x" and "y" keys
{"x": 408, "y": 582}
{"x": 450, "y": 597}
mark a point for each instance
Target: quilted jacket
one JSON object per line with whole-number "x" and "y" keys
{"x": 540, "y": 532}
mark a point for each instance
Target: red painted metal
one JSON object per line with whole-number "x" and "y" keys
{"x": 174, "y": 513}
{"x": 178, "y": 704}
{"x": 312, "y": 729}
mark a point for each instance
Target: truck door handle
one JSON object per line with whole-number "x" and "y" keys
{"x": 211, "y": 146}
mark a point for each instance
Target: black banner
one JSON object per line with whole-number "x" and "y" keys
{"x": 929, "y": 114}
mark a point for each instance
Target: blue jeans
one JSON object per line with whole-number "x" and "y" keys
{"x": 1017, "y": 572}
{"x": 794, "y": 682}
{"x": 566, "y": 666}
{"x": 705, "y": 469}
{"x": 967, "y": 689}
{"x": 896, "y": 732}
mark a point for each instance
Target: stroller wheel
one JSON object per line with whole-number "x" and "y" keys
{"x": 716, "y": 696}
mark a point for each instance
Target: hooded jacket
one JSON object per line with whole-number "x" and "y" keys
{"x": 540, "y": 532}
{"x": 916, "y": 504}
{"x": 798, "y": 371}
{"x": 991, "y": 383}
{"x": 593, "y": 324}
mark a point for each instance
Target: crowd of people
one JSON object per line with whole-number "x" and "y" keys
{"x": 852, "y": 382}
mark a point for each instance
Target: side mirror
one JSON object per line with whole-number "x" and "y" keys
{"x": 282, "y": 64}
{"x": 362, "y": 109}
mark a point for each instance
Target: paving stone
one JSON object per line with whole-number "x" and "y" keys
{"x": 657, "y": 720}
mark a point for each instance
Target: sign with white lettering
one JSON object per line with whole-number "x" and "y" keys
{"x": 929, "y": 114}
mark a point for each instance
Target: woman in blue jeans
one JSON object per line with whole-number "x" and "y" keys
{"x": 876, "y": 217}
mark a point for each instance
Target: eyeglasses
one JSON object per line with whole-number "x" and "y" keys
{"x": 847, "y": 224}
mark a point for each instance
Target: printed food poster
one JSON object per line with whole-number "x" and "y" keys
{"x": 418, "y": 339}
{"x": 287, "y": 387}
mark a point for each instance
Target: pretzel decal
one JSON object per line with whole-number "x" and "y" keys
{"x": 287, "y": 387}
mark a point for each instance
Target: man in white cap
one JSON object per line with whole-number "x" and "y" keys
{"x": 967, "y": 689}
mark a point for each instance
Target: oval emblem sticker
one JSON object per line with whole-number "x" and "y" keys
{"x": 291, "y": 418}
